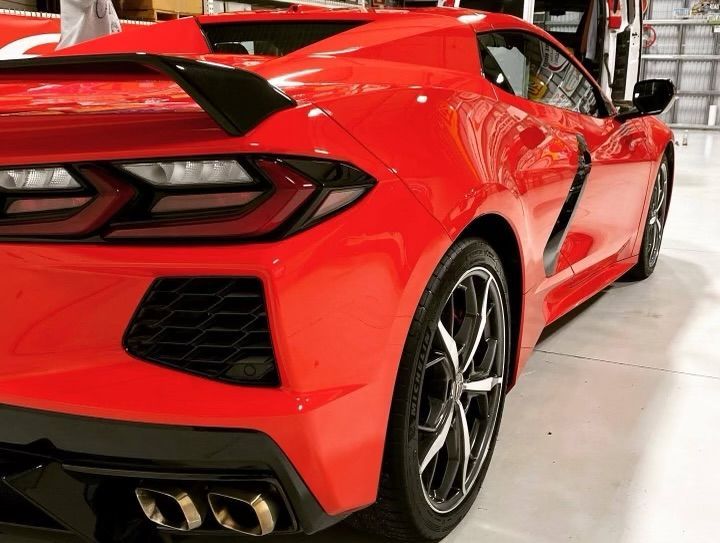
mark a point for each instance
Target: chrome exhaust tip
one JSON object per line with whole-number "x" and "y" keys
{"x": 171, "y": 507}
{"x": 244, "y": 511}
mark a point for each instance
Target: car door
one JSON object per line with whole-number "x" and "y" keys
{"x": 597, "y": 223}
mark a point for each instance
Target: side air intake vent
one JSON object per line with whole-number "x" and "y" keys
{"x": 215, "y": 327}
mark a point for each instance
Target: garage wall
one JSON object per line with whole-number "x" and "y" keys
{"x": 686, "y": 51}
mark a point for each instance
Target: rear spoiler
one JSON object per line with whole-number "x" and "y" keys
{"x": 237, "y": 100}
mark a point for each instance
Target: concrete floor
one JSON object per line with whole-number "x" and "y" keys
{"x": 613, "y": 432}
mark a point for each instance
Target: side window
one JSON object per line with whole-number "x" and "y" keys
{"x": 527, "y": 66}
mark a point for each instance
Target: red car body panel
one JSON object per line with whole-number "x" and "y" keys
{"x": 401, "y": 98}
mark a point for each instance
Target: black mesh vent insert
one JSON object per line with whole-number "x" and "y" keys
{"x": 216, "y": 327}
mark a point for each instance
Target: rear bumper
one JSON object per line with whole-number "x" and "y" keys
{"x": 81, "y": 472}
{"x": 340, "y": 297}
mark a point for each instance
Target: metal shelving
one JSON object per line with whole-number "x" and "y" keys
{"x": 688, "y": 52}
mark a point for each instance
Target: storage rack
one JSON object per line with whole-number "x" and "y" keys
{"x": 686, "y": 51}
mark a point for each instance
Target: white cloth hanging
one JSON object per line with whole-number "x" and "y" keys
{"x": 82, "y": 20}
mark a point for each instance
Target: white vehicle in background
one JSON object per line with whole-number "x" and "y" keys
{"x": 606, "y": 35}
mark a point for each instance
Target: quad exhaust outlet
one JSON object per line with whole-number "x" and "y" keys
{"x": 171, "y": 507}
{"x": 244, "y": 511}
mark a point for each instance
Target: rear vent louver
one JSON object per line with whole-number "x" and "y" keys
{"x": 214, "y": 327}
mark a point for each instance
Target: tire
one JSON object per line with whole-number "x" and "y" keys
{"x": 410, "y": 505}
{"x": 656, "y": 217}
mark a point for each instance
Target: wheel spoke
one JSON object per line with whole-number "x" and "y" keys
{"x": 653, "y": 235}
{"x": 489, "y": 356}
{"x": 451, "y": 331}
{"x": 439, "y": 441}
{"x": 482, "y": 385}
{"x": 483, "y": 403}
{"x": 431, "y": 475}
{"x": 481, "y": 327}
{"x": 452, "y": 466}
{"x": 658, "y": 236}
{"x": 471, "y": 299}
{"x": 465, "y": 445}
{"x": 449, "y": 345}
{"x": 652, "y": 242}
{"x": 660, "y": 200}
{"x": 474, "y": 433}
{"x": 465, "y": 330}
{"x": 434, "y": 418}
{"x": 437, "y": 358}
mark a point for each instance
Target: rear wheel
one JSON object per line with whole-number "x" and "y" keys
{"x": 448, "y": 399}
{"x": 654, "y": 226}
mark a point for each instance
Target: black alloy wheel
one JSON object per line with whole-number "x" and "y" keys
{"x": 654, "y": 225}
{"x": 448, "y": 399}
{"x": 461, "y": 389}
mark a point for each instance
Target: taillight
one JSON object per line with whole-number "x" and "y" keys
{"x": 183, "y": 173}
{"x": 41, "y": 193}
{"x": 37, "y": 179}
{"x": 338, "y": 186}
{"x": 239, "y": 197}
{"x": 58, "y": 202}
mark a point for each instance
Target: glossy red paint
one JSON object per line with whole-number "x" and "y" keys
{"x": 401, "y": 97}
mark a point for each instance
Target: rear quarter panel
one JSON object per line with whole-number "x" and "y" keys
{"x": 355, "y": 278}
{"x": 464, "y": 154}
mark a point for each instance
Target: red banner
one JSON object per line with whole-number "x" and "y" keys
{"x": 23, "y": 36}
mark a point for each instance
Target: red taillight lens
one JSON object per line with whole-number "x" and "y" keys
{"x": 335, "y": 201}
{"x": 180, "y": 203}
{"x": 42, "y": 205}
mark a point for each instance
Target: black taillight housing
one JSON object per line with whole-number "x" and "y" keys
{"x": 250, "y": 197}
{"x": 338, "y": 185}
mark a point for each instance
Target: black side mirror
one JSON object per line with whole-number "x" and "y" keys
{"x": 650, "y": 97}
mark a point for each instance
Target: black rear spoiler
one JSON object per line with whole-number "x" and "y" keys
{"x": 237, "y": 100}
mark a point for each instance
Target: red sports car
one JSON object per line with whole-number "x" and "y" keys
{"x": 264, "y": 270}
